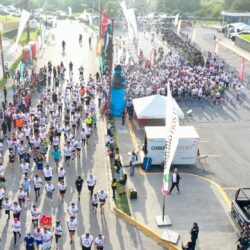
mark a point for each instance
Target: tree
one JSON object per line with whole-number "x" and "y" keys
{"x": 241, "y": 5}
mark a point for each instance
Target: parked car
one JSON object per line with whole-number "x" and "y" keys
{"x": 244, "y": 32}
{"x": 51, "y": 21}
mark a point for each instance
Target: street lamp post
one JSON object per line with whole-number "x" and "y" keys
{"x": 1, "y": 47}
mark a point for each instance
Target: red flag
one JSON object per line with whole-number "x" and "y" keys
{"x": 104, "y": 23}
{"x": 242, "y": 68}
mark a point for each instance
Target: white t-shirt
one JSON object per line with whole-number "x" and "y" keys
{"x": 91, "y": 181}
{"x": 99, "y": 242}
{"x": 35, "y": 213}
{"x": 72, "y": 224}
{"x": 16, "y": 226}
{"x": 47, "y": 171}
{"x": 87, "y": 241}
{"x": 37, "y": 182}
{"x": 73, "y": 210}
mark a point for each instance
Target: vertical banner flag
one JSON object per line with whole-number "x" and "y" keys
{"x": 70, "y": 11}
{"x": 176, "y": 20}
{"x": 193, "y": 35}
{"x": 178, "y": 27}
{"x": 171, "y": 140}
{"x": 23, "y": 20}
{"x": 242, "y": 68}
{"x": 216, "y": 47}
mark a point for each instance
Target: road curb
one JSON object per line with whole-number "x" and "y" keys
{"x": 147, "y": 231}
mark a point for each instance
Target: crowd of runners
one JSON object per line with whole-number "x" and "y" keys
{"x": 60, "y": 125}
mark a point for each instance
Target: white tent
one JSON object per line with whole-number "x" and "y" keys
{"x": 153, "y": 107}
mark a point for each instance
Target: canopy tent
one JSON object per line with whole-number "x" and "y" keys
{"x": 153, "y": 107}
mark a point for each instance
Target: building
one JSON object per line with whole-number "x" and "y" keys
{"x": 235, "y": 17}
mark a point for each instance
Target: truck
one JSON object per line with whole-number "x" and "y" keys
{"x": 240, "y": 208}
{"x": 187, "y": 148}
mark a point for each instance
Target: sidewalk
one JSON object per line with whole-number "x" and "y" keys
{"x": 199, "y": 201}
{"x": 11, "y": 53}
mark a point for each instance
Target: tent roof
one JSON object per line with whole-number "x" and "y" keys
{"x": 153, "y": 107}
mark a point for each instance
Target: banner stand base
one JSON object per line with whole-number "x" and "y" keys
{"x": 165, "y": 222}
{"x": 170, "y": 236}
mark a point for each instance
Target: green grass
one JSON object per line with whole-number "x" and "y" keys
{"x": 246, "y": 37}
{"x": 121, "y": 201}
{"x": 23, "y": 40}
{"x": 9, "y": 19}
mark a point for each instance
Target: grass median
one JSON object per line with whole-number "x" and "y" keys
{"x": 246, "y": 37}
{"x": 9, "y": 19}
{"x": 23, "y": 39}
{"x": 121, "y": 201}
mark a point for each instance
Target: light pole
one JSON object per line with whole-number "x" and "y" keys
{"x": 1, "y": 47}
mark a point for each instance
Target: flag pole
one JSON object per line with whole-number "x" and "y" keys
{"x": 163, "y": 208}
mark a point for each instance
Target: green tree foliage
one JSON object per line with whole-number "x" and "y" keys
{"x": 241, "y": 5}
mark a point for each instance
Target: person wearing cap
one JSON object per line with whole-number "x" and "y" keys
{"x": 36, "y": 214}
{"x": 16, "y": 210}
{"x": 62, "y": 189}
{"x": 38, "y": 232}
{"x": 7, "y": 206}
{"x": 47, "y": 239}
{"x": 37, "y": 185}
{"x": 102, "y": 198}
{"x": 29, "y": 242}
{"x": 57, "y": 229}
{"x": 79, "y": 182}
{"x": 73, "y": 209}
{"x": 16, "y": 228}
{"x": 86, "y": 241}
{"x": 48, "y": 171}
{"x": 72, "y": 225}
{"x": 175, "y": 180}
{"x": 91, "y": 181}
{"x": 99, "y": 242}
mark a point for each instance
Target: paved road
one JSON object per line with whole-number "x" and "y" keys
{"x": 119, "y": 235}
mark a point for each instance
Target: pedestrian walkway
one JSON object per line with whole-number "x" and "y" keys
{"x": 11, "y": 53}
{"x": 199, "y": 201}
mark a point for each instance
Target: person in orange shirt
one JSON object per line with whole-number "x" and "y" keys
{"x": 19, "y": 123}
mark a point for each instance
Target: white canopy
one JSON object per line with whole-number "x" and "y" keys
{"x": 153, "y": 107}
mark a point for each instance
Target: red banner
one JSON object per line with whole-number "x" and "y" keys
{"x": 46, "y": 221}
{"x": 242, "y": 68}
{"x": 104, "y": 23}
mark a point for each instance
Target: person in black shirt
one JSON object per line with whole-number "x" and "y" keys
{"x": 194, "y": 234}
{"x": 79, "y": 183}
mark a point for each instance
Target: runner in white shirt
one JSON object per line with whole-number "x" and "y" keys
{"x": 7, "y": 206}
{"x": 99, "y": 242}
{"x": 91, "y": 181}
{"x": 62, "y": 189}
{"x": 17, "y": 228}
{"x": 72, "y": 225}
{"x": 21, "y": 196}
{"x": 16, "y": 209}
{"x": 87, "y": 241}
{"x": 57, "y": 229}
{"x": 61, "y": 174}
{"x": 36, "y": 214}
{"x": 48, "y": 171}
{"x": 67, "y": 154}
{"x": 37, "y": 186}
{"x": 73, "y": 209}
{"x": 49, "y": 187}
{"x": 24, "y": 167}
{"x": 2, "y": 195}
{"x": 95, "y": 202}
{"x": 38, "y": 233}
{"x": 47, "y": 239}
{"x": 102, "y": 198}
